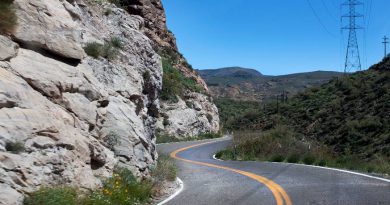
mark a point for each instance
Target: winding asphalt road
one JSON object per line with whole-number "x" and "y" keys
{"x": 212, "y": 182}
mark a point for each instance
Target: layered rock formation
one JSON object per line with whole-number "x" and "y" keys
{"x": 201, "y": 115}
{"x": 66, "y": 118}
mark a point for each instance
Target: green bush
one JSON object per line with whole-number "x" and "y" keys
{"x": 322, "y": 162}
{"x": 53, "y": 196}
{"x": 116, "y": 42}
{"x": 175, "y": 83}
{"x": 121, "y": 189}
{"x": 165, "y": 138}
{"x": 8, "y": 17}
{"x": 309, "y": 159}
{"x": 15, "y": 147}
{"x": 109, "y": 50}
{"x": 277, "y": 158}
{"x": 208, "y": 135}
{"x": 94, "y": 49}
{"x": 225, "y": 154}
{"x": 293, "y": 158}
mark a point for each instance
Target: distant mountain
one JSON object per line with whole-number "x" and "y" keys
{"x": 234, "y": 72}
{"x": 250, "y": 85}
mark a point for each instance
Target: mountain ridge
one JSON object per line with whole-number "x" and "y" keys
{"x": 248, "y": 84}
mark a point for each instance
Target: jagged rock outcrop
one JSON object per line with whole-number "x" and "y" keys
{"x": 201, "y": 118}
{"x": 66, "y": 118}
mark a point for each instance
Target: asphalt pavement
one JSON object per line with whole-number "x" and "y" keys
{"x": 213, "y": 182}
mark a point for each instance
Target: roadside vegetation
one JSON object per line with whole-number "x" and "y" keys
{"x": 175, "y": 83}
{"x": 281, "y": 144}
{"x": 229, "y": 110}
{"x": 344, "y": 123}
{"x": 164, "y": 138}
{"x": 120, "y": 189}
{"x": 8, "y": 17}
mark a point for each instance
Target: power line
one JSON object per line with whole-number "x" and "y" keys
{"x": 328, "y": 10}
{"x": 319, "y": 19}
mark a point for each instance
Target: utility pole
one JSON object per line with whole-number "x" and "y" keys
{"x": 352, "y": 59}
{"x": 385, "y": 42}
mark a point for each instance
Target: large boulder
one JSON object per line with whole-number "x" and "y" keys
{"x": 46, "y": 24}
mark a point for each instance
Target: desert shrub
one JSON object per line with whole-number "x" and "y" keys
{"x": 53, "y": 196}
{"x": 225, "y": 154}
{"x": 121, "y": 189}
{"x": 165, "y": 169}
{"x": 322, "y": 162}
{"x": 165, "y": 138}
{"x": 208, "y": 135}
{"x": 110, "y": 50}
{"x": 309, "y": 159}
{"x": 111, "y": 140}
{"x": 277, "y": 158}
{"x": 93, "y": 49}
{"x": 8, "y": 17}
{"x": 116, "y": 42}
{"x": 293, "y": 158}
{"x": 15, "y": 147}
{"x": 175, "y": 83}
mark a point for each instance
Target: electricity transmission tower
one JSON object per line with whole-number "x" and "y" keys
{"x": 352, "y": 59}
{"x": 385, "y": 42}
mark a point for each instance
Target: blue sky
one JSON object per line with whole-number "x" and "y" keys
{"x": 273, "y": 36}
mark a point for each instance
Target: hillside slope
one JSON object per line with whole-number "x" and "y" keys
{"x": 250, "y": 85}
{"x": 184, "y": 91}
{"x": 351, "y": 114}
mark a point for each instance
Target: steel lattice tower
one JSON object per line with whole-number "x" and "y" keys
{"x": 352, "y": 59}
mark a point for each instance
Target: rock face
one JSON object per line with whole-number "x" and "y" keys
{"x": 203, "y": 116}
{"x": 190, "y": 117}
{"x": 66, "y": 118}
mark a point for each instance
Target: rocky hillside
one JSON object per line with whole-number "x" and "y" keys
{"x": 80, "y": 86}
{"x": 350, "y": 114}
{"x": 192, "y": 112}
{"x": 250, "y": 85}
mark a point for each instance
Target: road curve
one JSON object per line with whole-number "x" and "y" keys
{"x": 209, "y": 181}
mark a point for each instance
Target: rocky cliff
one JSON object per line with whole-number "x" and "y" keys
{"x": 194, "y": 113}
{"x": 67, "y": 118}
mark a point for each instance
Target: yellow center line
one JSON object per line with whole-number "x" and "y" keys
{"x": 278, "y": 192}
